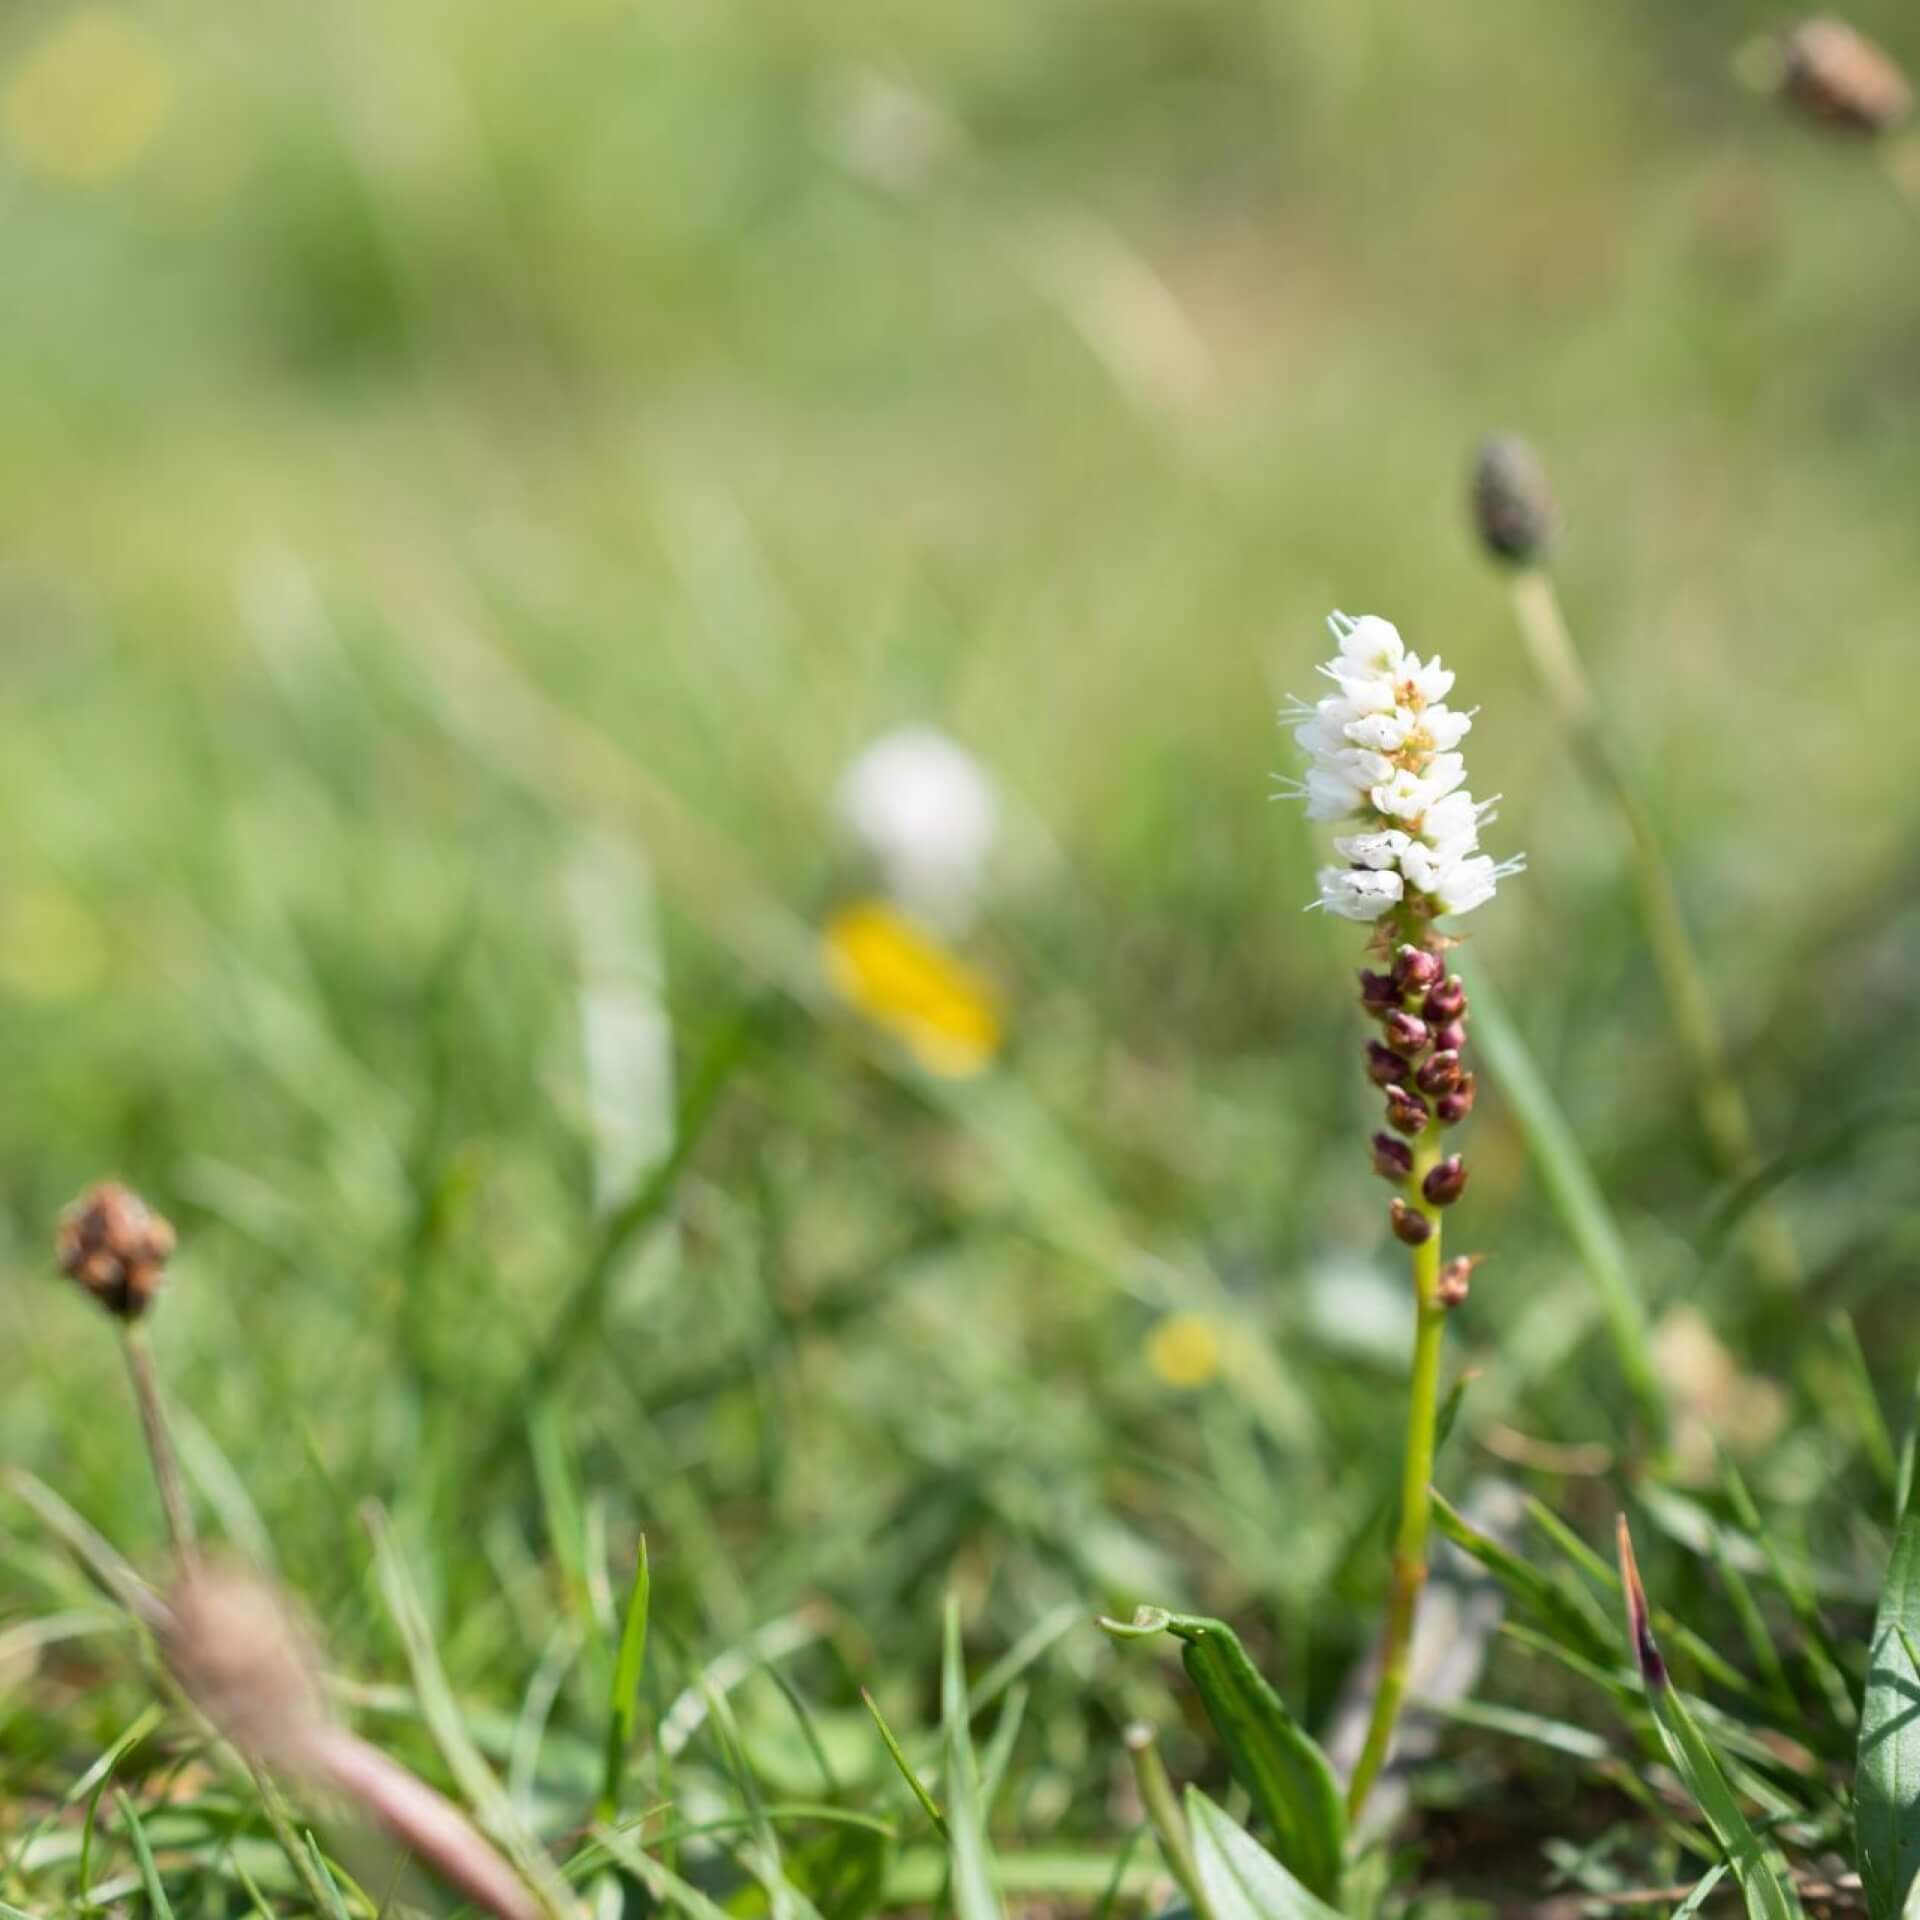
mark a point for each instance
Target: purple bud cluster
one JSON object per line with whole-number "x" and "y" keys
{"x": 1417, "y": 1064}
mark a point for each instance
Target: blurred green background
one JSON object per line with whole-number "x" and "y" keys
{"x": 474, "y": 474}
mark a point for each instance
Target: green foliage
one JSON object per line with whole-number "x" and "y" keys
{"x": 1241, "y": 1879}
{"x": 1273, "y": 1757}
{"x": 1886, "y": 1791}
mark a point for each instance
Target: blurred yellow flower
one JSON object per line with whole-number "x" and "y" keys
{"x": 1184, "y": 1350}
{"x": 51, "y": 947}
{"x": 899, "y": 977}
{"x": 88, "y": 97}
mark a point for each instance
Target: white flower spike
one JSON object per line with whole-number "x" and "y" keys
{"x": 1383, "y": 753}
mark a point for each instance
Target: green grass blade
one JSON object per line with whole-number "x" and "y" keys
{"x": 975, "y": 1896}
{"x": 1272, "y": 1755}
{"x": 1241, "y": 1879}
{"x": 629, "y": 1668}
{"x": 901, "y": 1761}
{"x": 157, "y": 1903}
{"x": 1886, "y": 1788}
{"x": 1569, "y": 1610}
{"x": 1757, "y": 1864}
{"x": 1575, "y": 1196}
{"x": 1698, "y": 1897}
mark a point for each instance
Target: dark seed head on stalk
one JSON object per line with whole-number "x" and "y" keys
{"x": 1409, "y": 1224}
{"x": 1450, "y": 1036}
{"x": 1392, "y": 1159}
{"x": 1406, "y": 1112}
{"x": 1513, "y": 510}
{"x": 1447, "y": 1001}
{"x": 1653, "y": 1666}
{"x": 115, "y": 1246}
{"x": 1446, "y": 1182}
{"x": 1837, "y": 76}
{"x": 1439, "y": 1072}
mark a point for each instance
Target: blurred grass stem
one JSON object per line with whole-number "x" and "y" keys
{"x": 1416, "y": 1490}
{"x": 1724, "y": 1117}
{"x": 153, "y": 1424}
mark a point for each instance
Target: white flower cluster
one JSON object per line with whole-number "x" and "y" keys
{"x": 1384, "y": 752}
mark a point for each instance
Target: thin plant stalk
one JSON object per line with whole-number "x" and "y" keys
{"x": 1163, "y": 1811}
{"x": 1724, "y": 1116}
{"x": 1411, "y": 1536}
{"x": 159, "y": 1439}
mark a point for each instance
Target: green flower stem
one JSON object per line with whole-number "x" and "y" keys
{"x": 1416, "y": 1491}
{"x": 1724, "y": 1117}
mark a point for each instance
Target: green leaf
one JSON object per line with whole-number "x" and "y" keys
{"x": 975, "y": 1896}
{"x": 1241, "y": 1879}
{"x": 1757, "y": 1864}
{"x": 1698, "y": 1897}
{"x": 628, "y": 1668}
{"x": 1272, "y": 1755}
{"x": 1886, "y": 1787}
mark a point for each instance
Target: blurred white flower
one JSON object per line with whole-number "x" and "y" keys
{"x": 927, "y": 813}
{"x": 1383, "y": 751}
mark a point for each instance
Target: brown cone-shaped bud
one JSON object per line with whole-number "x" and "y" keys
{"x": 1378, "y": 994}
{"x": 1450, "y": 1036}
{"x": 1392, "y": 1159}
{"x": 116, "y": 1247}
{"x": 1513, "y": 510}
{"x": 1406, "y": 1112}
{"x": 1448, "y": 1001}
{"x": 1454, "y": 1278}
{"x": 1406, "y": 1032}
{"x": 1454, "y": 1107}
{"x": 1409, "y": 1224}
{"x": 1837, "y": 76}
{"x": 1384, "y": 1066}
{"x": 1414, "y": 968}
{"x": 1439, "y": 1073}
{"x": 1445, "y": 1183}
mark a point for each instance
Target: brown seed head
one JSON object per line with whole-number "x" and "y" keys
{"x": 1454, "y": 1107}
{"x": 247, "y": 1662}
{"x": 1384, "y": 1066}
{"x": 1513, "y": 510}
{"x": 1406, "y": 1112}
{"x": 1450, "y": 1036}
{"x": 1439, "y": 1073}
{"x": 1448, "y": 1001}
{"x": 1837, "y": 76}
{"x": 116, "y": 1247}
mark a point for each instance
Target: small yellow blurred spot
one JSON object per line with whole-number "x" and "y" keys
{"x": 1184, "y": 1350}
{"x": 51, "y": 947}
{"x": 87, "y": 98}
{"x": 900, "y": 978}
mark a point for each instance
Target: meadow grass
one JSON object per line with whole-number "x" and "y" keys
{"x": 480, "y": 460}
